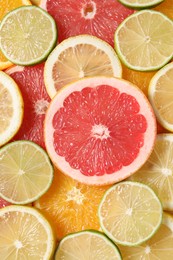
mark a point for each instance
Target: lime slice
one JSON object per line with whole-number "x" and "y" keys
{"x": 157, "y": 172}
{"x": 26, "y": 172}
{"x": 144, "y": 40}
{"x": 11, "y": 108}
{"x": 159, "y": 247}
{"x": 137, "y": 4}
{"x": 28, "y": 34}
{"x": 160, "y": 94}
{"x": 90, "y": 245}
{"x": 25, "y": 234}
{"x": 130, "y": 213}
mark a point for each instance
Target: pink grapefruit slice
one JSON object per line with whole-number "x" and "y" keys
{"x": 36, "y": 100}
{"x": 94, "y": 17}
{"x": 4, "y": 203}
{"x": 99, "y": 130}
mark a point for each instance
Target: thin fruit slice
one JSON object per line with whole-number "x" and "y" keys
{"x": 160, "y": 94}
{"x": 36, "y": 100}
{"x": 71, "y": 206}
{"x": 26, "y": 172}
{"x": 99, "y": 130}
{"x": 157, "y": 172}
{"x": 11, "y": 108}
{"x": 144, "y": 40}
{"x": 94, "y": 17}
{"x": 165, "y": 8}
{"x": 130, "y": 213}
{"x": 79, "y": 57}
{"x": 137, "y": 4}
{"x": 31, "y": 41}
{"x": 159, "y": 247}
{"x": 25, "y": 234}
{"x": 87, "y": 245}
{"x": 7, "y": 6}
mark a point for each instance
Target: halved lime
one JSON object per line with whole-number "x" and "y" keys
{"x": 88, "y": 244}
{"x": 140, "y": 4}
{"x": 27, "y": 35}
{"x": 144, "y": 40}
{"x": 26, "y": 172}
{"x": 130, "y": 213}
{"x": 25, "y": 234}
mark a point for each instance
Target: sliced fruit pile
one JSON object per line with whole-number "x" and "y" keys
{"x": 86, "y": 129}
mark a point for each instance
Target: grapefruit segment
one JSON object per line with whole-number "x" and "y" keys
{"x": 99, "y": 130}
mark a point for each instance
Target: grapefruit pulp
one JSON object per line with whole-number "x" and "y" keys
{"x": 99, "y": 130}
{"x": 36, "y": 100}
{"x": 95, "y": 17}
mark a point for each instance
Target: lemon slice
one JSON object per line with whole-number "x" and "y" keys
{"x": 78, "y": 57}
{"x": 159, "y": 247}
{"x": 160, "y": 94}
{"x": 144, "y": 40}
{"x": 28, "y": 34}
{"x": 26, "y": 172}
{"x": 25, "y": 234}
{"x": 11, "y": 108}
{"x": 157, "y": 172}
{"x": 137, "y": 4}
{"x": 130, "y": 213}
{"x": 90, "y": 245}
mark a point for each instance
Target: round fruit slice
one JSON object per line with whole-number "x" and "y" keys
{"x": 94, "y": 17}
{"x": 99, "y": 130}
{"x": 160, "y": 94}
{"x": 25, "y": 233}
{"x": 87, "y": 245}
{"x": 71, "y": 206}
{"x": 79, "y": 57}
{"x": 158, "y": 247}
{"x": 36, "y": 100}
{"x": 26, "y": 172}
{"x": 130, "y": 213}
{"x": 140, "y": 3}
{"x": 144, "y": 40}
{"x": 7, "y": 6}
{"x": 11, "y": 108}
{"x": 157, "y": 172}
{"x": 31, "y": 41}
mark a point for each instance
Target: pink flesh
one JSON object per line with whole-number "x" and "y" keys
{"x": 106, "y": 106}
{"x": 31, "y": 84}
{"x": 70, "y": 22}
{"x": 4, "y": 203}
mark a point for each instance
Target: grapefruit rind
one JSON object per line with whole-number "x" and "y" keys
{"x": 101, "y": 219}
{"x": 17, "y": 104}
{"x": 125, "y": 172}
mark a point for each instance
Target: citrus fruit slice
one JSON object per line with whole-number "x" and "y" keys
{"x": 26, "y": 172}
{"x": 99, "y": 130}
{"x": 157, "y": 172}
{"x": 71, "y": 206}
{"x": 31, "y": 41}
{"x": 140, "y": 3}
{"x": 87, "y": 245}
{"x": 36, "y": 100}
{"x": 95, "y": 17}
{"x": 7, "y": 6}
{"x": 11, "y": 108}
{"x": 79, "y": 57}
{"x": 166, "y": 8}
{"x": 144, "y": 40}
{"x": 130, "y": 213}
{"x": 25, "y": 233}
{"x": 4, "y": 203}
{"x": 160, "y": 94}
{"x": 159, "y": 247}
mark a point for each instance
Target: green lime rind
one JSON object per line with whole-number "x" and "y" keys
{"x": 51, "y": 42}
{"x": 139, "y": 5}
{"x": 95, "y": 233}
{"x": 110, "y": 235}
{"x": 118, "y": 48}
{"x": 47, "y": 161}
